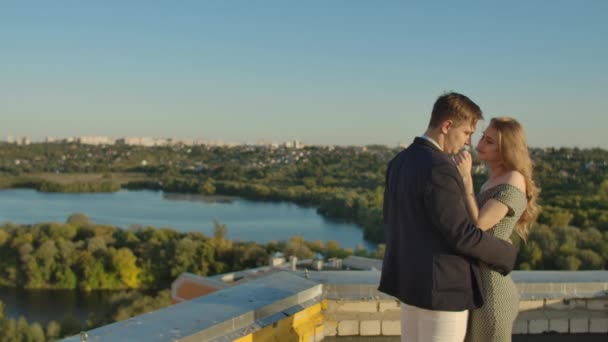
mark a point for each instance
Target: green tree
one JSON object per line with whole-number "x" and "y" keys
{"x": 569, "y": 263}
{"x": 530, "y": 254}
{"x": 78, "y": 220}
{"x": 4, "y": 236}
{"x": 254, "y": 256}
{"x": 603, "y": 190}
{"x": 297, "y": 246}
{"x": 589, "y": 260}
{"x": 125, "y": 264}
{"x": 184, "y": 257}
{"x": 207, "y": 188}
{"x": 53, "y": 330}
{"x": 35, "y": 333}
{"x": 22, "y": 329}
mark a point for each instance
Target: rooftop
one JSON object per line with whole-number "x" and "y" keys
{"x": 301, "y": 305}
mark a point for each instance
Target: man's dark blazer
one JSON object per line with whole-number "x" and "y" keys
{"x": 432, "y": 247}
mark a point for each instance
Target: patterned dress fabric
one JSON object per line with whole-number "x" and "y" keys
{"x": 493, "y": 322}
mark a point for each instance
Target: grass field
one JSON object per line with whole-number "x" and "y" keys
{"x": 68, "y": 178}
{"x": 71, "y": 178}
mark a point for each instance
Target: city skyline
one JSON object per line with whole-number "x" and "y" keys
{"x": 340, "y": 72}
{"x": 146, "y": 141}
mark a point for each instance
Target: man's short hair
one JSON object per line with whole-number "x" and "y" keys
{"x": 455, "y": 107}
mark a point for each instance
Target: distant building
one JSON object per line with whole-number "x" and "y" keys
{"x": 95, "y": 140}
{"x": 277, "y": 259}
{"x": 294, "y": 144}
{"x": 142, "y": 141}
{"x": 360, "y": 263}
{"x": 317, "y": 262}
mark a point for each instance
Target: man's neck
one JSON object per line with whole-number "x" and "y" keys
{"x": 435, "y": 137}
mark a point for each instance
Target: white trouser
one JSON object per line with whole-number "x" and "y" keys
{"x": 421, "y": 325}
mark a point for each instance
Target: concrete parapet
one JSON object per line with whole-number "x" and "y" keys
{"x": 308, "y": 306}
{"x": 562, "y": 316}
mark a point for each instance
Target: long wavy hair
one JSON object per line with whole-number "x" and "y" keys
{"x": 513, "y": 149}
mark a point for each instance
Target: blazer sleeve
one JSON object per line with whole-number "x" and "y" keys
{"x": 385, "y": 196}
{"x": 446, "y": 209}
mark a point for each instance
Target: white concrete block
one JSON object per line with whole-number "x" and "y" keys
{"x": 358, "y": 306}
{"x": 559, "y": 325}
{"x": 330, "y": 328}
{"x": 369, "y": 328}
{"x": 598, "y": 325}
{"x": 520, "y": 327}
{"x": 348, "y": 328}
{"x": 579, "y": 325}
{"x": 538, "y": 326}
{"x": 319, "y": 334}
{"x": 333, "y": 305}
{"x": 388, "y": 306}
{"x": 391, "y": 328}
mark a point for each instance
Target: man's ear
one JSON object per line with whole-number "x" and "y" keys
{"x": 446, "y": 125}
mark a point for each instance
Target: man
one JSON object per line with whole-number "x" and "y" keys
{"x": 432, "y": 248}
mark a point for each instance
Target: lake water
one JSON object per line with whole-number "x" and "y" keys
{"x": 246, "y": 220}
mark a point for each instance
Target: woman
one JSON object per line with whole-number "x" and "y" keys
{"x": 506, "y": 202}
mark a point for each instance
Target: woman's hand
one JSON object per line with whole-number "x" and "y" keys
{"x": 464, "y": 163}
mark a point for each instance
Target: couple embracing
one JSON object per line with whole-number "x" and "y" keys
{"x": 448, "y": 250}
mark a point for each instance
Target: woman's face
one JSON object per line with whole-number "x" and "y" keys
{"x": 487, "y": 148}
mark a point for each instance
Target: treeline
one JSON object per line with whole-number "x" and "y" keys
{"x": 80, "y": 254}
{"x": 342, "y": 182}
{"x": 564, "y": 248}
{"x": 48, "y": 186}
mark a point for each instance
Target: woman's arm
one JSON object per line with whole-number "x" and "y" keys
{"x": 464, "y": 163}
{"x": 492, "y": 211}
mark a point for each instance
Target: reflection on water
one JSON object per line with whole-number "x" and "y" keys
{"x": 56, "y": 305}
{"x": 199, "y": 198}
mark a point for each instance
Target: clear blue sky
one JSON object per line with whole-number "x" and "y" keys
{"x": 325, "y": 72}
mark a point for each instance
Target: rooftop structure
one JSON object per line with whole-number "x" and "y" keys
{"x": 282, "y": 304}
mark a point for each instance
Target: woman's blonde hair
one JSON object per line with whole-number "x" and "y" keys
{"x": 513, "y": 149}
